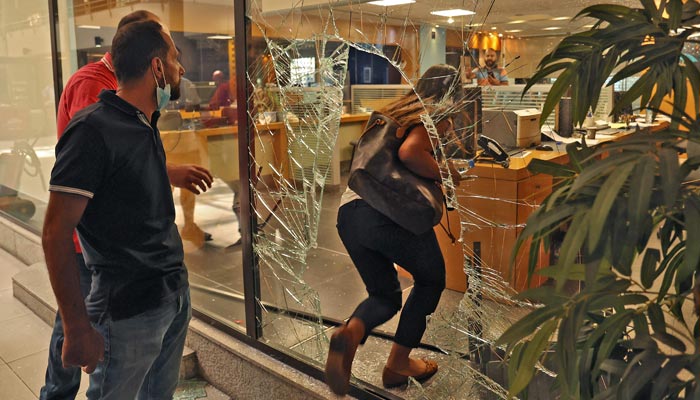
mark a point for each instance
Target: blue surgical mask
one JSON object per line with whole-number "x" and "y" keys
{"x": 162, "y": 94}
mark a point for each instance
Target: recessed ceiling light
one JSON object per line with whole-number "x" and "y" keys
{"x": 551, "y": 28}
{"x": 219, "y": 37}
{"x": 514, "y": 30}
{"x": 560, "y": 18}
{"x": 388, "y": 3}
{"x": 493, "y": 28}
{"x": 450, "y": 20}
{"x": 89, "y": 26}
{"x": 500, "y": 35}
{"x": 517, "y": 21}
{"x": 457, "y": 12}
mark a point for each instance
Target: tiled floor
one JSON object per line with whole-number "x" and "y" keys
{"x": 24, "y": 340}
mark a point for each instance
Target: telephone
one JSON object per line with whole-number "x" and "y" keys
{"x": 493, "y": 151}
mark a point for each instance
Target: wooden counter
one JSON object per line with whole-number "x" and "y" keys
{"x": 495, "y": 205}
{"x": 218, "y": 147}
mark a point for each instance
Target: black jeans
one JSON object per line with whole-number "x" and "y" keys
{"x": 375, "y": 243}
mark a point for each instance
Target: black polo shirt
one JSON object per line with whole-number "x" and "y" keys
{"x": 112, "y": 155}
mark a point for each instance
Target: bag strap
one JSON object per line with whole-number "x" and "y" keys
{"x": 447, "y": 230}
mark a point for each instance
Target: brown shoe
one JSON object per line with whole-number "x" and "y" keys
{"x": 391, "y": 379}
{"x": 339, "y": 362}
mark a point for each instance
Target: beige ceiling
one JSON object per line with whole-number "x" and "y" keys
{"x": 494, "y": 16}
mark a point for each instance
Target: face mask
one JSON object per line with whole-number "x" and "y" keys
{"x": 162, "y": 94}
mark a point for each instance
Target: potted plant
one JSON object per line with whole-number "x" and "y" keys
{"x": 627, "y": 333}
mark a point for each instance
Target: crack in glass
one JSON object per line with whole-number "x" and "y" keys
{"x": 303, "y": 77}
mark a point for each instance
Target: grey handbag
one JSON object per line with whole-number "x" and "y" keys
{"x": 385, "y": 183}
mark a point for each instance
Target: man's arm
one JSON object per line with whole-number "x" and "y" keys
{"x": 503, "y": 76}
{"x": 83, "y": 345}
{"x": 192, "y": 177}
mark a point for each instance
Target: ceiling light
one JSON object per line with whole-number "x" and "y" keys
{"x": 517, "y": 21}
{"x": 220, "y": 37}
{"x": 450, "y": 20}
{"x": 560, "y": 18}
{"x": 493, "y": 28}
{"x": 514, "y": 30}
{"x": 457, "y": 12}
{"x": 500, "y": 35}
{"x": 88, "y": 26}
{"x": 389, "y": 3}
{"x": 551, "y": 28}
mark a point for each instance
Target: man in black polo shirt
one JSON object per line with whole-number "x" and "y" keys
{"x": 110, "y": 181}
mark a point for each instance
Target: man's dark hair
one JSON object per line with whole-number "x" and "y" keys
{"x": 134, "y": 46}
{"x": 136, "y": 16}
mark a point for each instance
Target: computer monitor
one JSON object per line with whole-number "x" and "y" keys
{"x": 512, "y": 128}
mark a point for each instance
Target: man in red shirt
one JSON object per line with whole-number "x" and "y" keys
{"x": 81, "y": 91}
{"x": 222, "y": 95}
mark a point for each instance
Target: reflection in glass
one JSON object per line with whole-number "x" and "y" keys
{"x": 27, "y": 110}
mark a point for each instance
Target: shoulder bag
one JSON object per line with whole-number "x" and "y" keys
{"x": 385, "y": 183}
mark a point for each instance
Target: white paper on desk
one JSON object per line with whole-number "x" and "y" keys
{"x": 560, "y": 139}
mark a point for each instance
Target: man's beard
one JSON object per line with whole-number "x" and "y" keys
{"x": 175, "y": 91}
{"x": 491, "y": 64}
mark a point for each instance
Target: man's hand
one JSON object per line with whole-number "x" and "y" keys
{"x": 493, "y": 81}
{"x": 83, "y": 348}
{"x": 192, "y": 177}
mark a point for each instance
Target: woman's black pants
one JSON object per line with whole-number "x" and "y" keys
{"x": 375, "y": 243}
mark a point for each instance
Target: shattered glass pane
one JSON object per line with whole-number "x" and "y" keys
{"x": 321, "y": 68}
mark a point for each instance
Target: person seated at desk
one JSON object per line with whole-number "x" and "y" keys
{"x": 490, "y": 74}
{"x": 222, "y": 96}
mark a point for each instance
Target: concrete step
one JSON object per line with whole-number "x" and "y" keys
{"x": 31, "y": 286}
{"x": 192, "y": 389}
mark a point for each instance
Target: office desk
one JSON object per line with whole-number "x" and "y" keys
{"x": 496, "y": 204}
{"x": 218, "y": 147}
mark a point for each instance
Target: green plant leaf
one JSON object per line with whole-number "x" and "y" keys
{"x": 560, "y": 86}
{"x": 537, "y": 166}
{"x": 610, "y": 331}
{"x": 570, "y": 247}
{"x": 669, "y": 340}
{"x": 691, "y": 213}
{"x": 602, "y": 168}
{"x": 662, "y": 381}
{"x": 671, "y": 270}
{"x": 656, "y": 317}
{"x": 531, "y": 353}
{"x": 648, "y": 270}
{"x": 527, "y": 325}
{"x": 615, "y": 300}
{"x": 615, "y": 367}
{"x": 543, "y": 295}
{"x": 605, "y": 200}
{"x": 670, "y": 176}
{"x": 674, "y": 10}
{"x": 576, "y": 273}
{"x": 643, "y": 367}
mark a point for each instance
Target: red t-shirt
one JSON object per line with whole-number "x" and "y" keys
{"x": 81, "y": 91}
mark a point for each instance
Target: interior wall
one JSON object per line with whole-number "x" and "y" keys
{"x": 530, "y": 50}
